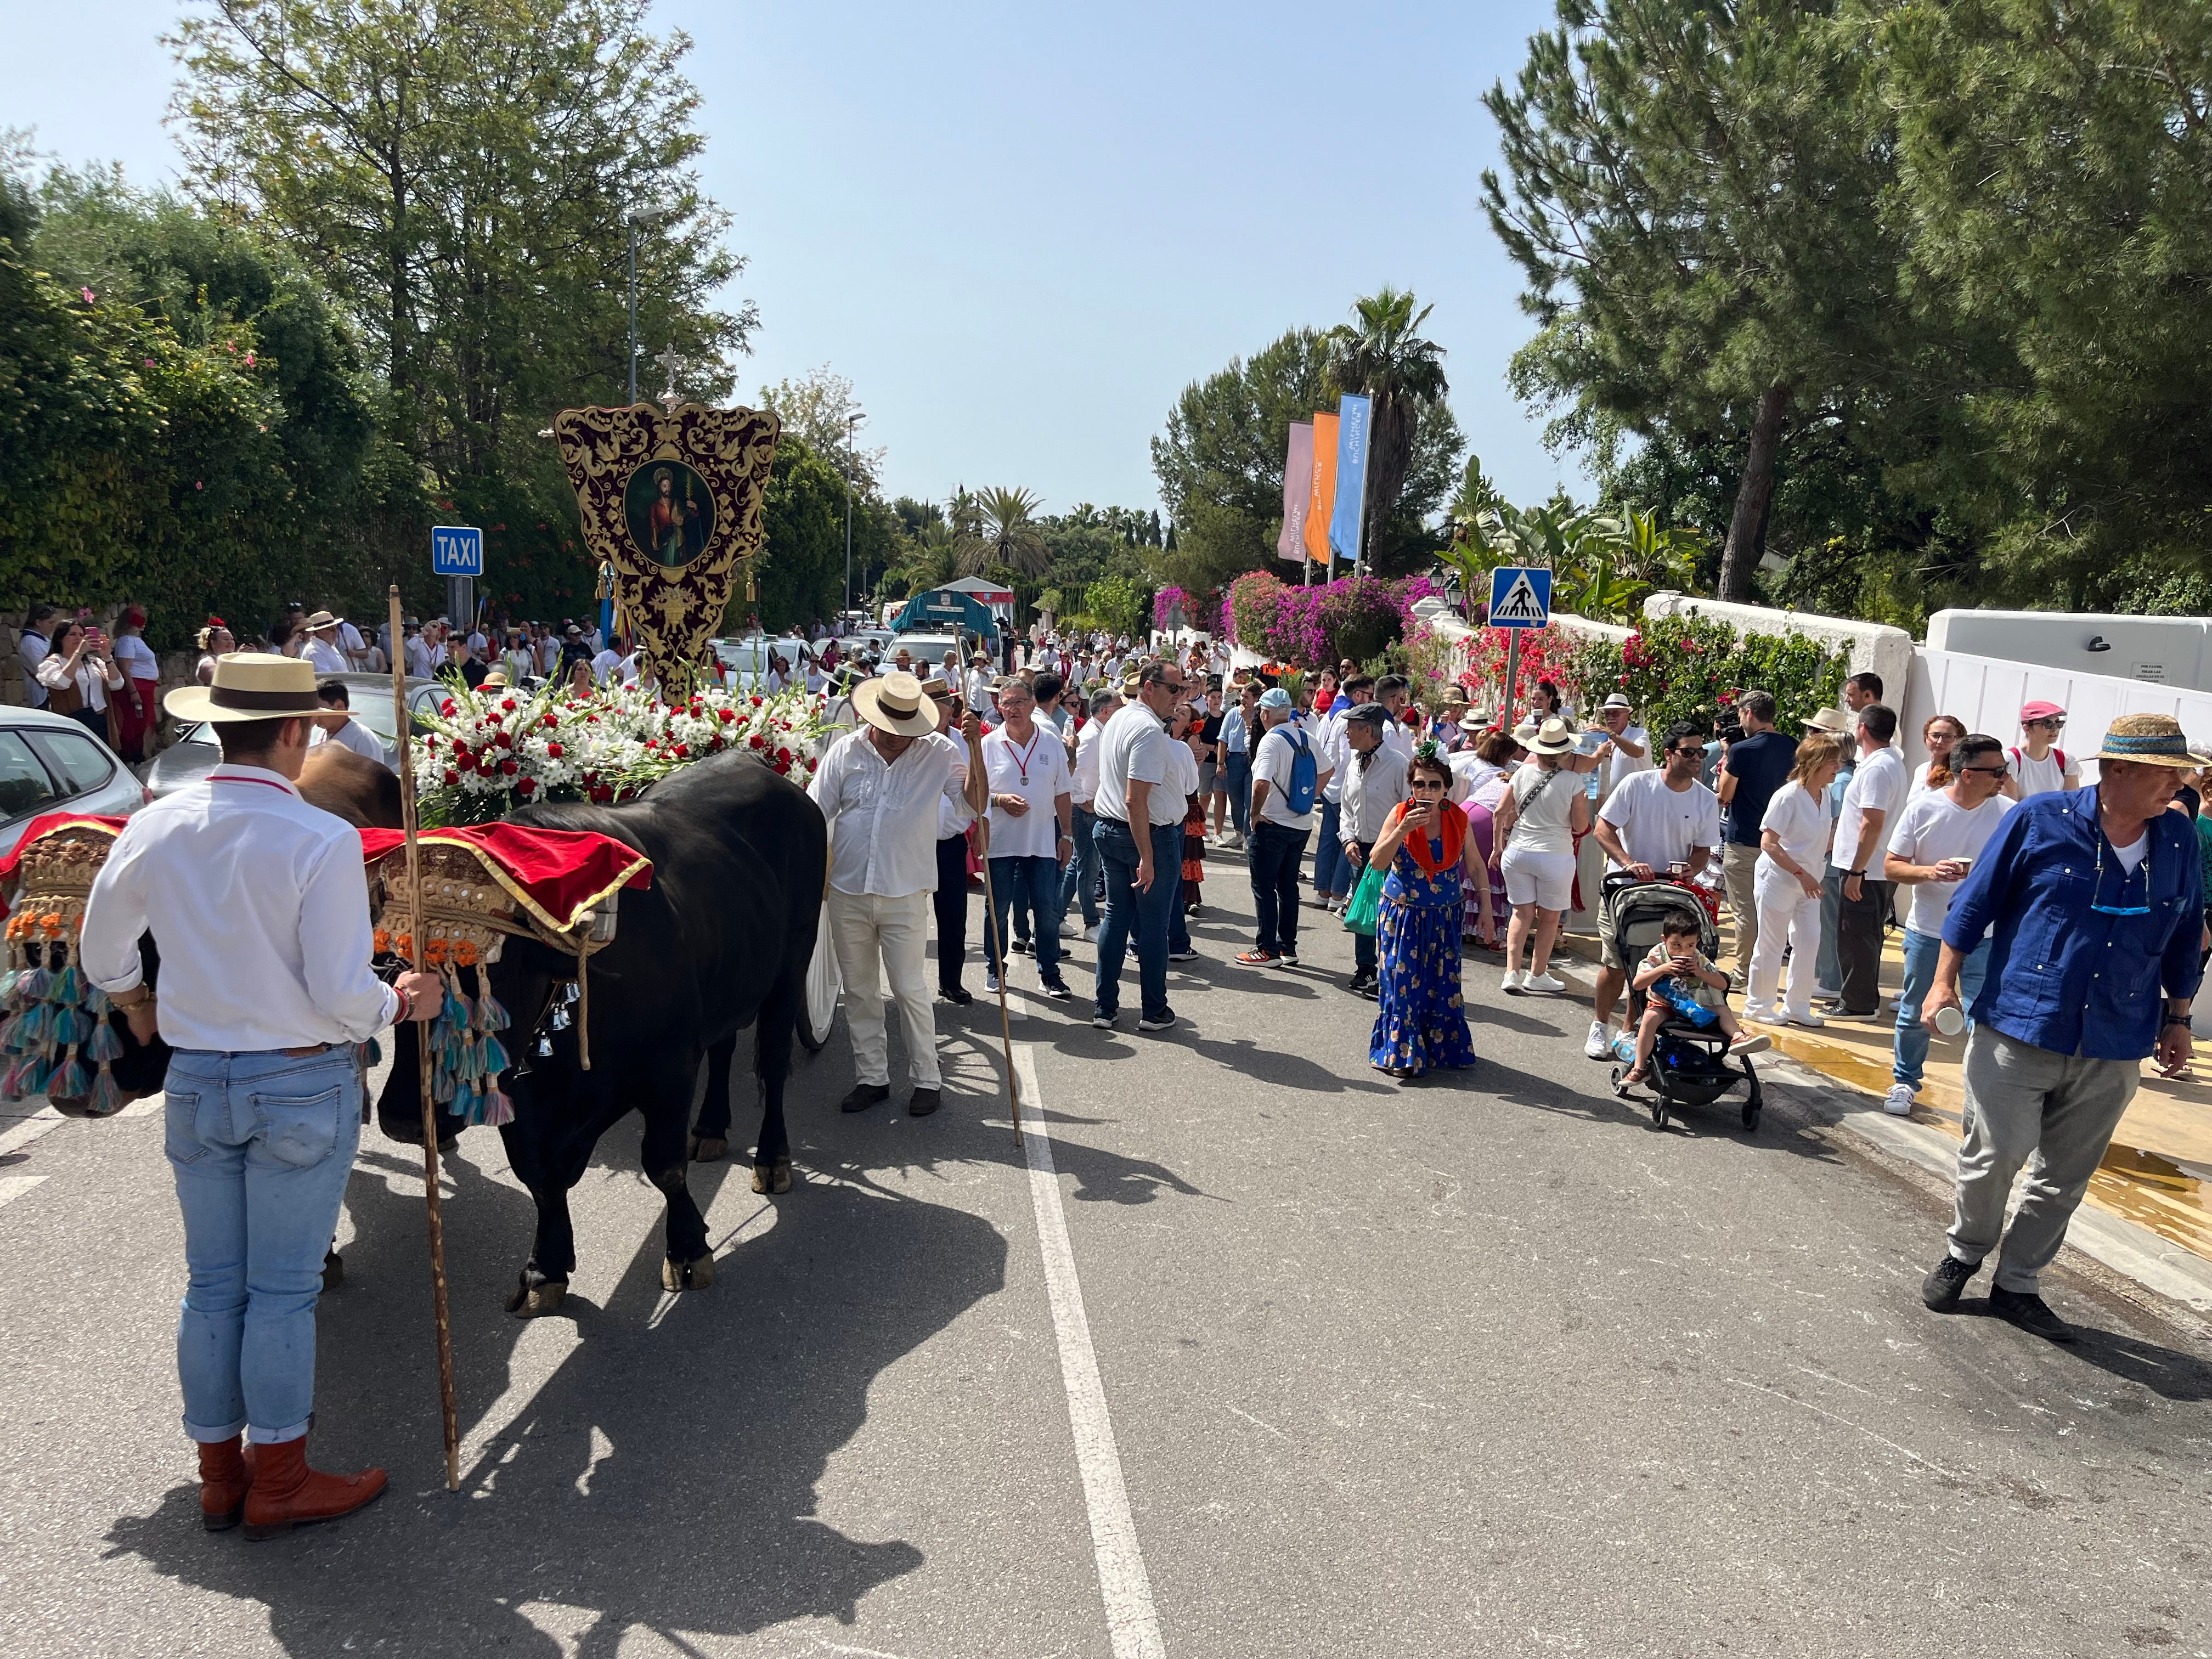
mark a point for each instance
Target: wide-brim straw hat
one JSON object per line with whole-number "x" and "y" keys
{"x": 895, "y": 703}
{"x": 1525, "y": 733}
{"x": 321, "y": 619}
{"x": 1833, "y": 721}
{"x": 1553, "y": 737}
{"x": 1477, "y": 720}
{"x": 250, "y": 685}
{"x": 2150, "y": 740}
{"x": 495, "y": 680}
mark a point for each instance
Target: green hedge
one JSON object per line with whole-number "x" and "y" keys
{"x": 1692, "y": 668}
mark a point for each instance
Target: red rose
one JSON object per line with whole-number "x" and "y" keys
{"x": 505, "y": 740}
{"x": 451, "y": 777}
{"x": 782, "y": 758}
{"x": 758, "y": 741}
{"x": 757, "y": 702}
{"x": 526, "y": 786}
{"x": 683, "y": 752}
{"x": 508, "y": 768}
{"x": 727, "y": 714}
{"x": 508, "y": 703}
{"x": 553, "y": 751}
{"x": 552, "y": 718}
{"x": 446, "y": 708}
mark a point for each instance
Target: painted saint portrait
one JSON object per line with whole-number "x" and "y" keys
{"x": 670, "y": 512}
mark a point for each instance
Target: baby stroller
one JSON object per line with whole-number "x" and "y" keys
{"x": 1691, "y": 1065}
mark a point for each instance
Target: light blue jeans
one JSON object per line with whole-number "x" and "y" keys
{"x": 261, "y": 1144}
{"x": 1921, "y": 951}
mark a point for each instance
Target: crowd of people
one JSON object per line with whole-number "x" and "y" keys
{"x": 1445, "y": 831}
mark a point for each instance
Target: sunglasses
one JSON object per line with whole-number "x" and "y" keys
{"x": 1429, "y": 783}
{"x": 1988, "y": 771}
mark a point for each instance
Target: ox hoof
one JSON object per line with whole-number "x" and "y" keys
{"x": 333, "y": 1270}
{"x": 694, "y": 1275}
{"x": 772, "y": 1177}
{"x": 533, "y": 1301}
{"x": 709, "y": 1149}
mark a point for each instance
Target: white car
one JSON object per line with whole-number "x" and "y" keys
{"x": 745, "y": 661}
{"x": 52, "y": 763}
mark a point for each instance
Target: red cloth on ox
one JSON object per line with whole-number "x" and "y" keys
{"x": 558, "y": 874}
{"x": 44, "y": 825}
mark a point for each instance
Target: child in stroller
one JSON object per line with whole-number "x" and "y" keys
{"x": 1678, "y": 982}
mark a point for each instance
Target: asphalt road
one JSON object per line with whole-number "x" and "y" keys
{"x": 1329, "y": 1365}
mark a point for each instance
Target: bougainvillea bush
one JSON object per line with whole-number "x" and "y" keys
{"x": 489, "y": 751}
{"x": 1319, "y": 626}
{"x": 1693, "y": 668}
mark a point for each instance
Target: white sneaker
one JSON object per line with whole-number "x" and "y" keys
{"x": 1598, "y": 1045}
{"x": 1898, "y": 1102}
{"x": 1809, "y": 1020}
{"x": 1751, "y": 1045}
{"x": 1515, "y": 983}
{"x": 1544, "y": 981}
{"x": 1090, "y": 934}
{"x": 1067, "y": 930}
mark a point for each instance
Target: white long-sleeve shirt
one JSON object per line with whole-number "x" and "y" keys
{"x": 259, "y": 905}
{"x": 883, "y": 820}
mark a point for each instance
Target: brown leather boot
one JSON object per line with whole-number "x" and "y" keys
{"x": 225, "y": 1474}
{"x": 286, "y": 1493}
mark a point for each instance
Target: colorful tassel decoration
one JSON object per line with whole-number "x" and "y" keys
{"x": 69, "y": 1080}
{"x": 106, "y": 1099}
{"x": 31, "y": 986}
{"x": 105, "y": 1046}
{"x": 498, "y": 1109}
{"x": 97, "y": 1002}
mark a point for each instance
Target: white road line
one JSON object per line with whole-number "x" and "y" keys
{"x": 1133, "y": 1624}
{"x": 14, "y": 1187}
{"x": 30, "y": 1128}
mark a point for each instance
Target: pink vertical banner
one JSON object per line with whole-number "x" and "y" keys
{"x": 1298, "y": 492}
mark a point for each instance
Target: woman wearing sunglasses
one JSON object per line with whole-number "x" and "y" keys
{"x": 1425, "y": 847}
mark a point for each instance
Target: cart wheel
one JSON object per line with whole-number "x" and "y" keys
{"x": 1658, "y": 1111}
{"x": 1750, "y": 1116}
{"x": 1619, "y": 1072}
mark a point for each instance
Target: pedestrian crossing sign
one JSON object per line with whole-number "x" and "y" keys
{"x": 1520, "y": 597}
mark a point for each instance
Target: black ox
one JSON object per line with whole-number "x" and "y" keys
{"x": 720, "y": 941}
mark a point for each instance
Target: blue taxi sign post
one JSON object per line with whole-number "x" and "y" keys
{"x": 1520, "y": 597}
{"x": 457, "y": 554}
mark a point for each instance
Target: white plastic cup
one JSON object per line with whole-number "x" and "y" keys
{"x": 1949, "y": 1021}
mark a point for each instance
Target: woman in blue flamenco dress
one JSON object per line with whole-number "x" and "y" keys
{"x": 1425, "y": 845}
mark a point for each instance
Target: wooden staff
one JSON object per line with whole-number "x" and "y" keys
{"x": 407, "y": 819}
{"x": 999, "y": 959}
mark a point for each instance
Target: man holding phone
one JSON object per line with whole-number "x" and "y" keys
{"x": 1939, "y": 836}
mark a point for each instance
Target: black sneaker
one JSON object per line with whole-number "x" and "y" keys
{"x": 1290, "y": 958}
{"x": 958, "y": 995}
{"x": 2031, "y": 1313}
{"x": 1183, "y": 956}
{"x": 1060, "y": 993}
{"x": 922, "y": 1102}
{"x": 863, "y": 1096}
{"x": 1103, "y": 1019}
{"x": 1946, "y": 1281}
{"x": 1159, "y": 1022}
{"x": 1020, "y": 947}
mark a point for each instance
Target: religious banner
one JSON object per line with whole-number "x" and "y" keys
{"x": 1298, "y": 492}
{"x": 672, "y": 501}
{"x": 1322, "y": 501}
{"x": 1354, "y": 412}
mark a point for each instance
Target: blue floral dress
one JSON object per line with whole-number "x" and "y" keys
{"x": 1422, "y": 1022}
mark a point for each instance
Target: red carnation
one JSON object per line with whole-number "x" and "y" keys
{"x": 757, "y": 702}
{"x": 683, "y": 752}
{"x": 553, "y": 751}
{"x": 526, "y": 786}
{"x": 505, "y": 740}
{"x": 552, "y": 719}
{"x": 447, "y": 707}
{"x": 508, "y": 768}
{"x": 758, "y": 741}
{"x": 727, "y": 714}
{"x": 783, "y": 758}
{"x": 451, "y": 777}
{"x": 508, "y": 703}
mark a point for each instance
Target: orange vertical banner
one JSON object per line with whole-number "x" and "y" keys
{"x": 1323, "y": 504}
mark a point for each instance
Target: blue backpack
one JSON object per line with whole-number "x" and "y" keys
{"x": 1299, "y": 797}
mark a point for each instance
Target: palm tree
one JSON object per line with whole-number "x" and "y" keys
{"x": 1006, "y": 536}
{"x": 1381, "y": 353}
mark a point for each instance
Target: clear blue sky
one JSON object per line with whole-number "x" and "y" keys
{"x": 1023, "y": 230}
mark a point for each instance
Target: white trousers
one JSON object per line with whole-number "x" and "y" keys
{"x": 1786, "y": 915}
{"x": 866, "y": 931}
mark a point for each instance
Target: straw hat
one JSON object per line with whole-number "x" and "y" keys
{"x": 1477, "y": 720}
{"x": 249, "y": 686}
{"x": 1553, "y": 737}
{"x": 895, "y": 703}
{"x": 1525, "y": 733}
{"x": 321, "y": 619}
{"x": 1833, "y": 721}
{"x": 494, "y": 680}
{"x": 2149, "y": 740}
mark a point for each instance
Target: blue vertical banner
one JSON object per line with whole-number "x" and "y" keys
{"x": 1354, "y": 417}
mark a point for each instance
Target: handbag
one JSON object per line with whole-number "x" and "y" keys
{"x": 1366, "y": 899}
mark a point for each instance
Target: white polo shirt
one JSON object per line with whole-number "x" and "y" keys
{"x": 1136, "y": 748}
{"x": 1037, "y": 772}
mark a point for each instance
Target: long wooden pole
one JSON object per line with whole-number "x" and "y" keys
{"x": 407, "y": 819}
{"x": 999, "y": 959}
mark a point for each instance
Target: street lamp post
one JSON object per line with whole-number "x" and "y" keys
{"x": 635, "y": 219}
{"x": 851, "y": 421}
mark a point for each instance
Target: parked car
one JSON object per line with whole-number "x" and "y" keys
{"x": 745, "y": 660}
{"x": 195, "y": 752}
{"x": 51, "y": 763}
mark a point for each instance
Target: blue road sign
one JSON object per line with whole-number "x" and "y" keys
{"x": 456, "y": 550}
{"x": 1520, "y": 597}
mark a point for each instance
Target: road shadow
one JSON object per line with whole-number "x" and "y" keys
{"x": 663, "y": 1477}
{"x": 2167, "y": 1372}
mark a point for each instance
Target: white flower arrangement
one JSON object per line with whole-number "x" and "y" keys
{"x": 489, "y": 751}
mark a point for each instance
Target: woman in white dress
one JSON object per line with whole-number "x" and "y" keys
{"x": 1792, "y": 840}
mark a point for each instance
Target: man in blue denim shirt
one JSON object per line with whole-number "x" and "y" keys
{"x": 2096, "y": 899}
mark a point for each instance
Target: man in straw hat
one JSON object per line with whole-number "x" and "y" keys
{"x": 880, "y": 787}
{"x": 234, "y": 876}
{"x": 323, "y": 648}
{"x": 2094, "y": 899}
